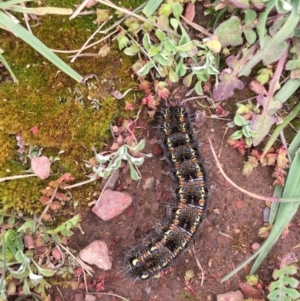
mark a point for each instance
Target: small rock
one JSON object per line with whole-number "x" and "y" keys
{"x": 249, "y": 291}
{"x": 148, "y": 183}
{"x": 114, "y": 146}
{"x": 96, "y": 253}
{"x": 41, "y": 166}
{"x": 231, "y": 296}
{"x": 112, "y": 204}
{"x": 255, "y": 246}
{"x": 56, "y": 254}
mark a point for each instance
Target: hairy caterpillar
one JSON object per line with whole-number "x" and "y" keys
{"x": 185, "y": 214}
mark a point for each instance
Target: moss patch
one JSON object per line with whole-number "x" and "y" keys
{"x": 60, "y": 108}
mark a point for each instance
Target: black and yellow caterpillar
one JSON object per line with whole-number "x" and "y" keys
{"x": 185, "y": 214}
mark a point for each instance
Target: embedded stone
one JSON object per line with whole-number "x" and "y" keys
{"x": 96, "y": 253}
{"x": 112, "y": 204}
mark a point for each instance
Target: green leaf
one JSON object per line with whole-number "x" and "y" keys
{"x": 177, "y": 10}
{"x": 250, "y": 16}
{"x": 28, "y": 227}
{"x": 132, "y": 50}
{"x": 26, "y": 289}
{"x": 151, "y": 7}
{"x": 65, "y": 227}
{"x": 187, "y": 80}
{"x": 174, "y": 23}
{"x": 198, "y": 88}
{"x": 102, "y": 159}
{"x": 30, "y": 39}
{"x": 44, "y": 272}
{"x": 137, "y": 161}
{"x": 122, "y": 41}
{"x": 180, "y": 68}
{"x": 229, "y": 33}
{"x": 245, "y": 131}
{"x": 133, "y": 173}
{"x": 145, "y": 69}
{"x": 140, "y": 146}
{"x": 173, "y": 76}
{"x": 239, "y": 120}
{"x": 237, "y": 135}
{"x": 154, "y": 50}
{"x": 185, "y": 47}
{"x": 160, "y": 34}
{"x": 147, "y": 42}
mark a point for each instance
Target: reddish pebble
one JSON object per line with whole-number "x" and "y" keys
{"x": 255, "y": 246}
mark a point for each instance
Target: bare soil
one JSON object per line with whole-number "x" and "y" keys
{"x": 223, "y": 242}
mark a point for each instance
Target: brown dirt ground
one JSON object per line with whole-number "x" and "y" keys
{"x": 223, "y": 242}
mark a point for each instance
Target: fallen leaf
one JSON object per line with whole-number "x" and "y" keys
{"x": 190, "y": 11}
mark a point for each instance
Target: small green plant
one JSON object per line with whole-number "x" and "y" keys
{"x": 245, "y": 131}
{"x": 262, "y": 39}
{"x": 284, "y": 288}
{"x": 20, "y": 259}
{"x": 114, "y": 160}
{"x": 168, "y": 54}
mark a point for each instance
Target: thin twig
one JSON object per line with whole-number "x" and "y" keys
{"x": 47, "y": 207}
{"x": 60, "y": 292}
{"x": 221, "y": 148}
{"x": 199, "y": 265}
{"x": 283, "y": 141}
{"x": 253, "y": 195}
{"x": 84, "y": 266}
{"x": 89, "y": 46}
{"x": 225, "y": 235}
{"x": 79, "y": 9}
{"x": 197, "y": 27}
{"x": 16, "y": 177}
{"x": 87, "y": 41}
{"x": 99, "y": 199}
{"x": 80, "y": 183}
{"x": 110, "y": 294}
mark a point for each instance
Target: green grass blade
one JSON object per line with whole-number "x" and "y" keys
{"x": 294, "y": 145}
{"x": 151, "y": 7}
{"x": 241, "y": 266}
{"x": 7, "y": 4}
{"x": 6, "y": 65}
{"x": 278, "y": 189}
{"x": 41, "y": 10}
{"x": 274, "y": 207}
{"x": 285, "y": 212}
{"x": 34, "y": 42}
{"x": 287, "y": 90}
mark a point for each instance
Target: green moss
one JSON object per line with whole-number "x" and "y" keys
{"x": 60, "y": 108}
